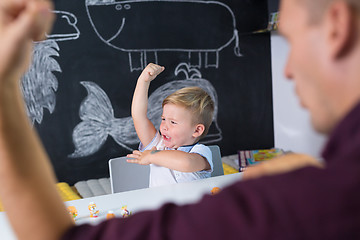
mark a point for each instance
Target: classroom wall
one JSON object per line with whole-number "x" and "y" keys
{"x": 292, "y": 127}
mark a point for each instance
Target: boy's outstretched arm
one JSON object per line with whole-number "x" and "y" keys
{"x": 172, "y": 159}
{"x": 27, "y": 181}
{"x": 143, "y": 126}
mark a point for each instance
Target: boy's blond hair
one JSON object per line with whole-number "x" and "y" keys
{"x": 196, "y": 100}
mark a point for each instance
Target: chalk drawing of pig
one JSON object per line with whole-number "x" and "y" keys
{"x": 142, "y": 28}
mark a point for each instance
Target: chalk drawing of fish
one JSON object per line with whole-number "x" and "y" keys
{"x": 98, "y": 121}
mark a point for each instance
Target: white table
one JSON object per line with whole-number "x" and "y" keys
{"x": 138, "y": 200}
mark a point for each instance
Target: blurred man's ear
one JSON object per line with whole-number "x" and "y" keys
{"x": 340, "y": 29}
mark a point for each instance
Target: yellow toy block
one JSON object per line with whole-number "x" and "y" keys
{"x": 228, "y": 169}
{"x": 66, "y": 193}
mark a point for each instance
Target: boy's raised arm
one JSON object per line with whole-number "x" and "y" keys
{"x": 143, "y": 126}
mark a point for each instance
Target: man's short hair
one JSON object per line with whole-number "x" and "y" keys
{"x": 317, "y": 7}
{"x": 196, "y": 100}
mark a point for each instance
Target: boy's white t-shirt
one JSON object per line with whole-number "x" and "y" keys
{"x": 160, "y": 176}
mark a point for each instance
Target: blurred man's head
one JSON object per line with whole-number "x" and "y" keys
{"x": 324, "y": 57}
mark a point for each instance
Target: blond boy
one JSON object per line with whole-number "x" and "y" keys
{"x": 186, "y": 118}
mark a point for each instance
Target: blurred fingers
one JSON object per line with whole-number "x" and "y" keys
{"x": 38, "y": 19}
{"x": 282, "y": 164}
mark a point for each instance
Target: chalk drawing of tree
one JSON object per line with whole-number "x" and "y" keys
{"x": 39, "y": 84}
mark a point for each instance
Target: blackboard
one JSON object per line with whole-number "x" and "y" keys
{"x": 79, "y": 88}
{"x": 273, "y": 5}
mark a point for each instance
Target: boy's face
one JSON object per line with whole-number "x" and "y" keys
{"x": 177, "y": 127}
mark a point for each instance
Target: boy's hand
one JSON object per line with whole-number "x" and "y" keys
{"x": 142, "y": 158}
{"x": 150, "y": 72}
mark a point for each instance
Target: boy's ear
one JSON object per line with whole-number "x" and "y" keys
{"x": 199, "y": 130}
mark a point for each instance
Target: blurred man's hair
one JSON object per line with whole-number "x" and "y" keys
{"x": 318, "y": 7}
